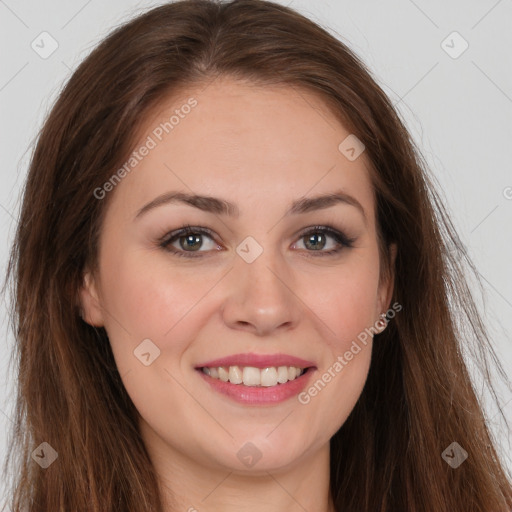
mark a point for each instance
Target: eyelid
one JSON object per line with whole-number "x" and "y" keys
{"x": 339, "y": 236}
{"x": 329, "y": 230}
{"x": 165, "y": 241}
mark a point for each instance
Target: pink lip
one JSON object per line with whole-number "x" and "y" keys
{"x": 254, "y": 395}
{"x": 258, "y": 361}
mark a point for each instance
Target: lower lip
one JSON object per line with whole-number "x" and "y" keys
{"x": 259, "y": 395}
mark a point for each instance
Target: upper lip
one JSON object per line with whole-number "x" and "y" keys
{"x": 258, "y": 361}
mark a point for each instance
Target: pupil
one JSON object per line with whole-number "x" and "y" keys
{"x": 192, "y": 240}
{"x": 314, "y": 240}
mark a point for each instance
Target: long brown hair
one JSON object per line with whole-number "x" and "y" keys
{"x": 418, "y": 398}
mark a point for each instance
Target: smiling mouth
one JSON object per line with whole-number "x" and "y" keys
{"x": 255, "y": 377}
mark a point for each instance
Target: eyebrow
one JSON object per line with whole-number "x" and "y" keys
{"x": 223, "y": 207}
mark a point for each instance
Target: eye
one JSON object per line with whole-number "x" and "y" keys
{"x": 189, "y": 240}
{"x": 316, "y": 238}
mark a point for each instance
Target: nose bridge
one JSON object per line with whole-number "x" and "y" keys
{"x": 264, "y": 276}
{"x": 259, "y": 259}
{"x": 259, "y": 296}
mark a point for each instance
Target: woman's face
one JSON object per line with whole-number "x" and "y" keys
{"x": 259, "y": 278}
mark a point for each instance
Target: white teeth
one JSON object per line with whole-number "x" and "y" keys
{"x": 235, "y": 375}
{"x": 222, "y": 374}
{"x": 282, "y": 374}
{"x": 251, "y": 376}
{"x": 292, "y": 372}
{"x": 268, "y": 377}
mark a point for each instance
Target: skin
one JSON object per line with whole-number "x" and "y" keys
{"x": 260, "y": 148}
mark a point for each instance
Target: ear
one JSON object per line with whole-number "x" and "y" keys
{"x": 387, "y": 285}
{"x": 90, "y": 301}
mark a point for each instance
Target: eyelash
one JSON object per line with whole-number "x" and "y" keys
{"x": 339, "y": 237}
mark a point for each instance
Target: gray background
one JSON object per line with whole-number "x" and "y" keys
{"x": 459, "y": 111}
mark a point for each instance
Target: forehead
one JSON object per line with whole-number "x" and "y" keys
{"x": 246, "y": 142}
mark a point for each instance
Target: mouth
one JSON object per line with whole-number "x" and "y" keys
{"x": 251, "y": 386}
{"x": 252, "y": 376}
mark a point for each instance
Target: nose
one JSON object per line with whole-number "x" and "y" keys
{"x": 260, "y": 297}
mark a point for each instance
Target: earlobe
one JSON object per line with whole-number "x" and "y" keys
{"x": 90, "y": 307}
{"x": 386, "y": 291}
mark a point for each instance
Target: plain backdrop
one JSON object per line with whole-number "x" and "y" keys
{"x": 454, "y": 92}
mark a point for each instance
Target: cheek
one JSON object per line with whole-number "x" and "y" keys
{"x": 351, "y": 311}
{"x": 346, "y": 301}
{"x": 148, "y": 301}
{"x": 347, "y": 312}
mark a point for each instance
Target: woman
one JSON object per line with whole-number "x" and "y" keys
{"x": 232, "y": 287}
